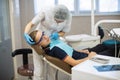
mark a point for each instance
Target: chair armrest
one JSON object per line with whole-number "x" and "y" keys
{"x": 22, "y": 51}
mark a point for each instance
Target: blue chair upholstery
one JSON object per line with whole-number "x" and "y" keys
{"x": 111, "y": 42}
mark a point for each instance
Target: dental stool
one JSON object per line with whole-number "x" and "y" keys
{"x": 82, "y": 41}
{"x": 26, "y": 69}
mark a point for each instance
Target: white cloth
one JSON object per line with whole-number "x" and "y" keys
{"x": 45, "y": 21}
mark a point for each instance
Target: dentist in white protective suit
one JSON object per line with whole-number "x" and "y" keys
{"x": 54, "y": 22}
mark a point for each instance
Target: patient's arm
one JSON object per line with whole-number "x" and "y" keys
{"x": 92, "y": 54}
{"x": 84, "y": 51}
{"x": 74, "y": 62}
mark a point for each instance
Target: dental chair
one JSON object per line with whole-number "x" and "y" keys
{"x": 58, "y": 64}
{"x": 54, "y": 62}
{"x": 25, "y": 69}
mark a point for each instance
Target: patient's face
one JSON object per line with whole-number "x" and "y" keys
{"x": 42, "y": 39}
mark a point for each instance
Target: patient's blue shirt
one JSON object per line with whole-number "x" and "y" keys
{"x": 60, "y": 50}
{"x": 62, "y": 45}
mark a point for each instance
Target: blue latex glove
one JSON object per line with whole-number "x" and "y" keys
{"x": 54, "y": 36}
{"x": 29, "y": 39}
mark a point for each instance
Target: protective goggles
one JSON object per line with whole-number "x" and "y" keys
{"x": 40, "y": 38}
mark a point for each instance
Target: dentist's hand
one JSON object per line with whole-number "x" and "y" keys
{"x": 54, "y": 35}
{"x": 28, "y": 39}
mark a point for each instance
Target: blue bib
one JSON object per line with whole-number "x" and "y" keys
{"x": 61, "y": 45}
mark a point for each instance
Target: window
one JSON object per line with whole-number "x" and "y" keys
{"x": 85, "y": 5}
{"x": 111, "y": 6}
{"x": 79, "y": 7}
{"x": 39, "y": 4}
{"x": 68, "y": 3}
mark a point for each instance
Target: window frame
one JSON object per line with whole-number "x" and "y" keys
{"x": 78, "y": 12}
{"x": 96, "y": 11}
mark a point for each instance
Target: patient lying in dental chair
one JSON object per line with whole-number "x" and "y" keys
{"x": 59, "y": 49}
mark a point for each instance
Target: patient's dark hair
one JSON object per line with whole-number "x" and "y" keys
{"x": 33, "y": 35}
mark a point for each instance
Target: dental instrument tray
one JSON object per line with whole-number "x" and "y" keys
{"x": 100, "y": 60}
